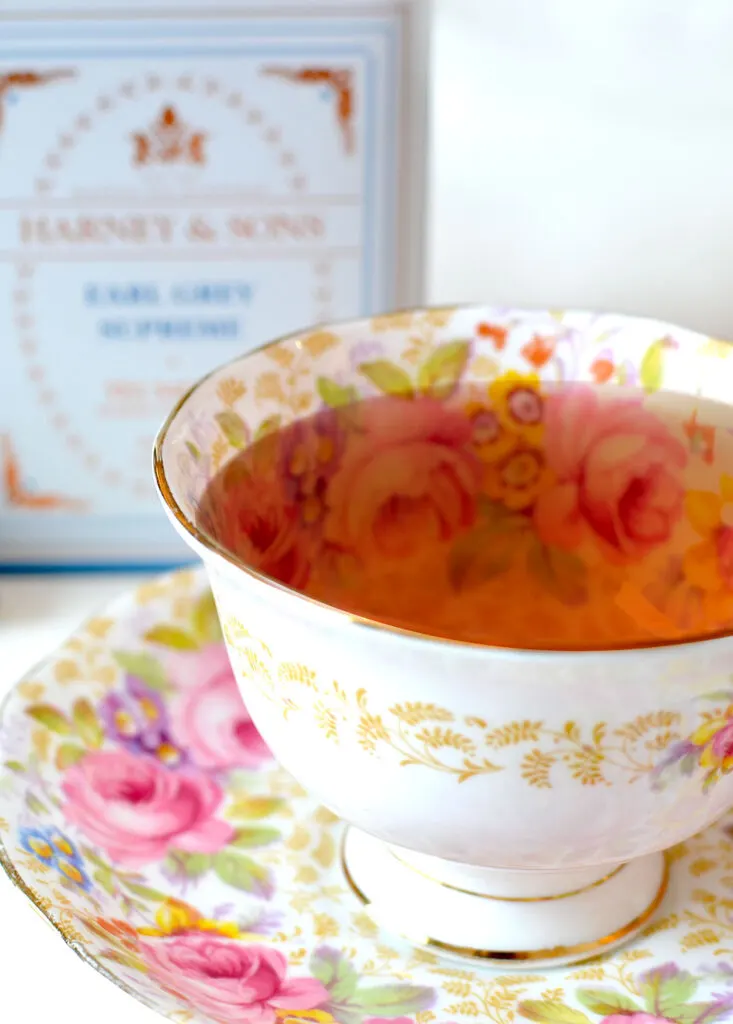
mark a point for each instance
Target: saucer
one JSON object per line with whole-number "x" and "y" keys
{"x": 143, "y": 816}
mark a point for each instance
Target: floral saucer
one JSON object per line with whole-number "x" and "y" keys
{"x": 142, "y": 814}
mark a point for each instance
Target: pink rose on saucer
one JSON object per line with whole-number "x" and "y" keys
{"x": 617, "y": 470}
{"x": 229, "y": 980}
{"x": 136, "y": 810}
{"x": 389, "y": 1020}
{"x": 209, "y": 718}
{"x": 634, "y": 1018}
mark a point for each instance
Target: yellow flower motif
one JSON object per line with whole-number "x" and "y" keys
{"x": 516, "y": 399}
{"x": 518, "y": 479}
{"x": 491, "y": 440}
{"x": 71, "y": 872}
{"x": 175, "y": 916}
{"x": 304, "y": 1017}
{"x": 716, "y": 740}
{"x": 708, "y": 565}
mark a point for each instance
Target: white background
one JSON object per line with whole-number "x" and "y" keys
{"x": 582, "y": 156}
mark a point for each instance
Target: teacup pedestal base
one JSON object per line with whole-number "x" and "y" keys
{"x": 548, "y": 918}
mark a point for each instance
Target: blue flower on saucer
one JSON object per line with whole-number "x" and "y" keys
{"x": 55, "y": 850}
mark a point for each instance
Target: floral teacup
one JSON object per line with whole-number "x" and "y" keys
{"x": 511, "y": 803}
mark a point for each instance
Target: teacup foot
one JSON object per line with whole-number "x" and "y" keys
{"x": 548, "y": 918}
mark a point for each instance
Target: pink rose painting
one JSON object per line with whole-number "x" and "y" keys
{"x": 209, "y": 719}
{"x": 229, "y": 980}
{"x": 617, "y": 470}
{"x": 409, "y": 481}
{"x": 249, "y": 513}
{"x": 135, "y": 809}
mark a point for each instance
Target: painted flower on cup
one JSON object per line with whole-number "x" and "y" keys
{"x": 519, "y": 405}
{"x": 137, "y": 719}
{"x": 406, "y": 482}
{"x": 618, "y": 475}
{"x": 251, "y": 515}
{"x": 490, "y": 439}
{"x": 209, "y": 718}
{"x": 136, "y": 810}
{"x": 604, "y": 368}
{"x": 229, "y": 980}
{"x": 710, "y": 748}
{"x": 57, "y": 851}
{"x": 310, "y": 453}
{"x": 518, "y": 479}
{"x": 708, "y": 564}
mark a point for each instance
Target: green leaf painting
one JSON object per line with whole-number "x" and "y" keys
{"x": 389, "y": 378}
{"x": 233, "y": 428}
{"x": 336, "y": 395}
{"x": 243, "y": 873}
{"x": 350, "y": 1002}
{"x": 172, "y": 636}
{"x": 144, "y": 666}
{"x": 441, "y": 372}
{"x": 51, "y": 717}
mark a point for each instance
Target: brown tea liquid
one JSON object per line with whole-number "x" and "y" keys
{"x": 578, "y": 517}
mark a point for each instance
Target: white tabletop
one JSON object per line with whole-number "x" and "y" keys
{"x": 41, "y": 977}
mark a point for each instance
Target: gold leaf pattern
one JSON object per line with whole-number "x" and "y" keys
{"x": 230, "y": 390}
{"x": 326, "y": 720}
{"x": 99, "y": 627}
{"x": 290, "y": 672}
{"x": 325, "y": 853}
{"x": 299, "y": 838}
{"x": 269, "y": 388}
{"x": 323, "y": 816}
{"x": 419, "y": 732}
{"x": 31, "y": 691}
{"x": 513, "y": 733}
{"x": 644, "y": 724}
{"x": 364, "y": 925}
{"x": 306, "y": 874}
{"x": 66, "y": 671}
{"x": 536, "y": 769}
{"x": 219, "y": 452}
{"x": 415, "y": 713}
{"x": 319, "y": 342}
{"x": 41, "y": 740}
{"x": 701, "y": 866}
{"x": 664, "y": 924}
{"x": 698, "y": 939}
{"x": 325, "y": 926}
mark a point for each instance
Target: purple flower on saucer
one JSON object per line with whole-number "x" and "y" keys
{"x": 137, "y": 719}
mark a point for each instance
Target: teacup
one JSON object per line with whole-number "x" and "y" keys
{"x": 508, "y": 804}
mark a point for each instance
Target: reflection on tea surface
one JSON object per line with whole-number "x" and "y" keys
{"x": 516, "y": 514}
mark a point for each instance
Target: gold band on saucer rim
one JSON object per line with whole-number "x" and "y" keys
{"x": 508, "y": 899}
{"x": 582, "y": 950}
